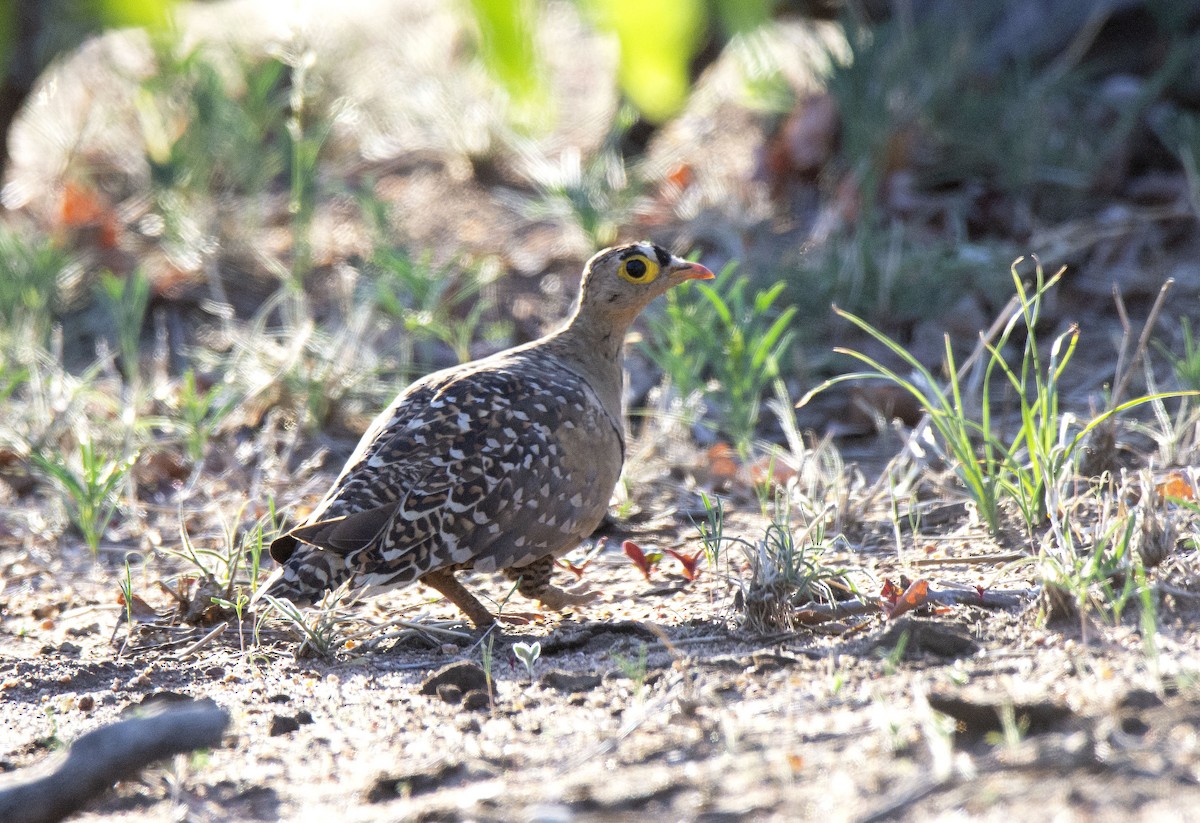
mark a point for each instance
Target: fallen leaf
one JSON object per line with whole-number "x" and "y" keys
{"x": 771, "y": 470}
{"x": 722, "y": 462}
{"x": 681, "y": 176}
{"x": 139, "y": 608}
{"x": 914, "y": 597}
{"x": 645, "y": 562}
{"x": 689, "y": 562}
{"x": 81, "y": 207}
{"x": 578, "y": 569}
{"x": 890, "y": 592}
{"x": 1177, "y": 486}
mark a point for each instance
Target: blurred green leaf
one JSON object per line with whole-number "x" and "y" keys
{"x": 506, "y": 46}
{"x": 658, "y": 38}
{"x": 145, "y": 13}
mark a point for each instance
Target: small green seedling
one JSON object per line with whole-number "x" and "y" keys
{"x": 528, "y": 654}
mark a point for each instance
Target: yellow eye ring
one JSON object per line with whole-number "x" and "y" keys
{"x": 638, "y": 269}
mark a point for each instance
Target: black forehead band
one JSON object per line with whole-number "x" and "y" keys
{"x": 664, "y": 256}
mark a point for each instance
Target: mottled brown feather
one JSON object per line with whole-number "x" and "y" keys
{"x": 502, "y": 463}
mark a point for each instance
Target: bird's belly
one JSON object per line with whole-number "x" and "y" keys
{"x": 569, "y": 507}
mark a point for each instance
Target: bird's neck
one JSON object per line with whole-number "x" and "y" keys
{"x": 601, "y": 337}
{"x": 597, "y": 348}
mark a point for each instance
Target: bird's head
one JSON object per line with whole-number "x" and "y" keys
{"x": 621, "y": 281}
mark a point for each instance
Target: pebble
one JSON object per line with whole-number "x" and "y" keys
{"x": 282, "y": 724}
{"x": 476, "y": 700}
{"x": 465, "y": 675}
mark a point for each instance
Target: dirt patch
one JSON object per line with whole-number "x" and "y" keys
{"x": 653, "y": 701}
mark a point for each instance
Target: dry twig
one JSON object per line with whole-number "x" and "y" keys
{"x": 61, "y": 785}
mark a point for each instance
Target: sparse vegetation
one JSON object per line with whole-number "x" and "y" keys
{"x": 726, "y": 344}
{"x": 1031, "y": 466}
{"x": 89, "y": 483}
{"x": 215, "y": 278}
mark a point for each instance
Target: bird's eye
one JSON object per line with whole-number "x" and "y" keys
{"x": 639, "y": 269}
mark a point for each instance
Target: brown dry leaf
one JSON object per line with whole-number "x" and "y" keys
{"x": 681, "y": 176}
{"x": 82, "y": 207}
{"x": 771, "y": 470}
{"x": 160, "y": 466}
{"x": 914, "y": 596}
{"x": 810, "y": 134}
{"x": 722, "y": 462}
{"x": 139, "y": 608}
{"x": 1177, "y": 486}
{"x": 809, "y": 617}
{"x": 689, "y": 563}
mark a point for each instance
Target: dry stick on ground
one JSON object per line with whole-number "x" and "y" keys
{"x": 1125, "y": 371}
{"x": 1103, "y": 441}
{"x": 98, "y": 759}
{"x": 987, "y": 599}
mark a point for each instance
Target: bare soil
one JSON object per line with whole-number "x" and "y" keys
{"x": 653, "y": 701}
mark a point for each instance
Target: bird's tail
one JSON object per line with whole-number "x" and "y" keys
{"x": 308, "y": 573}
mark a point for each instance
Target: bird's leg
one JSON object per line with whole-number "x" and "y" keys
{"x": 534, "y": 583}
{"x": 443, "y": 581}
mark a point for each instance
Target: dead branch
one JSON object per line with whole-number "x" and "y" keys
{"x": 61, "y": 785}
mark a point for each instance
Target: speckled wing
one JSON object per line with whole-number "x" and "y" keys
{"x": 490, "y": 468}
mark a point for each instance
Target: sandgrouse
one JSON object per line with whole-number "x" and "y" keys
{"x": 503, "y": 463}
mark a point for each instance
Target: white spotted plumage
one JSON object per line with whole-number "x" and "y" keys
{"x": 502, "y": 463}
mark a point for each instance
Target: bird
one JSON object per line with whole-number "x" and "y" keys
{"x": 499, "y": 464}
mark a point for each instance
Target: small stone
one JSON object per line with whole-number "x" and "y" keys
{"x": 304, "y": 717}
{"x": 215, "y": 672}
{"x": 449, "y": 693}
{"x": 569, "y": 681}
{"x": 476, "y": 700}
{"x": 939, "y": 638}
{"x": 86, "y": 703}
{"x": 282, "y": 724}
{"x": 279, "y": 698}
{"x": 463, "y": 674}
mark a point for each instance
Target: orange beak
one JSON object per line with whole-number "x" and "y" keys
{"x": 692, "y": 271}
